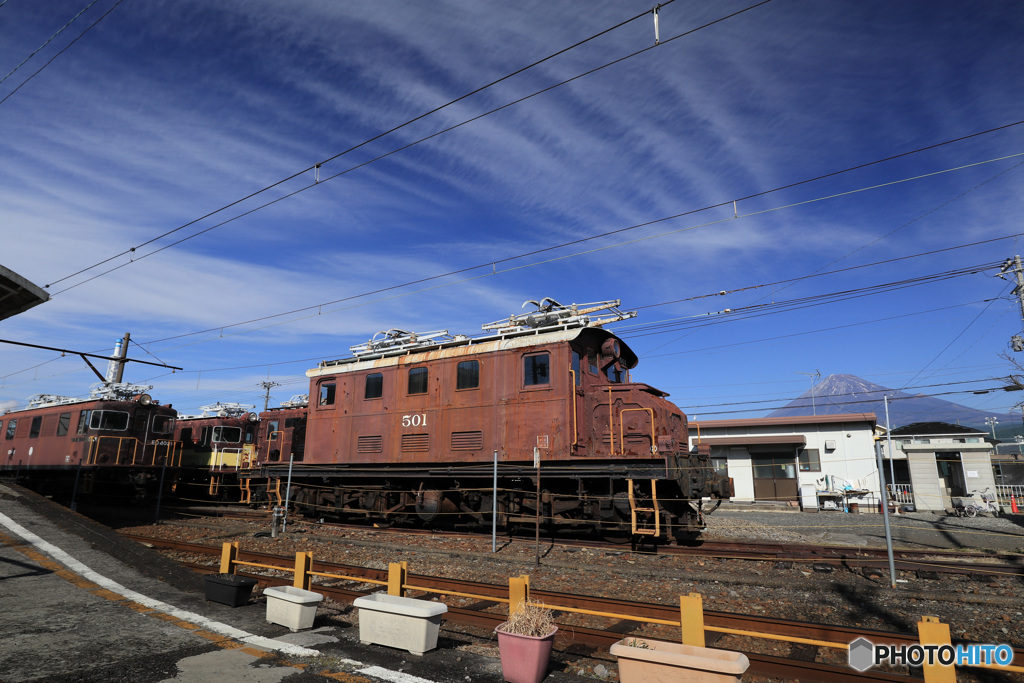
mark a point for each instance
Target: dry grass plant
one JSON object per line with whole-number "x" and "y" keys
{"x": 534, "y": 619}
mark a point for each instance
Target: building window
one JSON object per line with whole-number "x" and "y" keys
{"x": 536, "y": 369}
{"x": 327, "y": 394}
{"x": 374, "y": 385}
{"x": 467, "y": 374}
{"x": 810, "y": 461}
{"x": 418, "y": 381}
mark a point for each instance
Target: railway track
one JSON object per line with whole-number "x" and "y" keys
{"x": 583, "y": 636}
{"x": 976, "y": 564}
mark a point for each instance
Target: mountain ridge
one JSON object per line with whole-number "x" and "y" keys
{"x": 844, "y": 393}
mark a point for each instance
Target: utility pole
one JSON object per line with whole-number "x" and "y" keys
{"x": 266, "y": 399}
{"x": 814, "y": 376}
{"x": 1016, "y": 341}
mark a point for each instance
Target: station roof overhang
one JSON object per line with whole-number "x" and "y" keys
{"x": 17, "y": 294}
{"x": 761, "y": 440}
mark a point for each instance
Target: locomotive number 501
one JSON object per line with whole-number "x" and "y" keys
{"x": 418, "y": 420}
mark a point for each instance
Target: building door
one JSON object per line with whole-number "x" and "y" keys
{"x": 951, "y": 477}
{"x": 775, "y": 476}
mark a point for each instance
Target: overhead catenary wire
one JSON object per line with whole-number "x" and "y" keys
{"x": 319, "y": 181}
{"x": 62, "y": 51}
{"x": 492, "y": 270}
{"x": 316, "y": 166}
{"x": 47, "y": 41}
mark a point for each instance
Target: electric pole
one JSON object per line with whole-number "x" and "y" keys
{"x": 1016, "y": 341}
{"x": 266, "y": 399}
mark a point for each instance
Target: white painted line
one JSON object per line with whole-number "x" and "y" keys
{"x": 394, "y": 676}
{"x": 184, "y": 615}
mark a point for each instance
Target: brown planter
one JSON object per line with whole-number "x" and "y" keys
{"x": 658, "y": 661}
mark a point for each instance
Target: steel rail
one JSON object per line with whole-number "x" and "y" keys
{"x": 715, "y": 622}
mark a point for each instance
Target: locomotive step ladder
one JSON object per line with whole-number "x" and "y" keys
{"x": 633, "y": 510}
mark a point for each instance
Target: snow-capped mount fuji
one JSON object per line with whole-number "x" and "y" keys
{"x": 851, "y": 394}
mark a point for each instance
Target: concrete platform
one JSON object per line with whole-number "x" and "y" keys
{"x": 83, "y": 604}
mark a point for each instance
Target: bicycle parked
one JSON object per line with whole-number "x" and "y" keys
{"x": 965, "y": 507}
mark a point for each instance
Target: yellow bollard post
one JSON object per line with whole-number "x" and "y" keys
{"x": 397, "y": 572}
{"x": 228, "y": 555}
{"x": 691, "y": 617}
{"x": 518, "y": 593}
{"x": 931, "y": 631}
{"x": 303, "y": 563}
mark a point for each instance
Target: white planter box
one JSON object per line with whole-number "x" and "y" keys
{"x": 404, "y": 623}
{"x": 292, "y": 607}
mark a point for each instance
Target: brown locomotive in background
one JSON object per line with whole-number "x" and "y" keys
{"x": 539, "y": 421}
{"x": 417, "y": 425}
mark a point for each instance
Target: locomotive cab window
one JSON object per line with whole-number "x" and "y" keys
{"x": 615, "y": 374}
{"x": 227, "y": 434}
{"x": 467, "y": 375}
{"x": 576, "y": 367}
{"x": 272, "y": 430}
{"x": 536, "y": 369}
{"x": 12, "y": 427}
{"x": 418, "y": 381}
{"x": 63, "y": 424}
{"x": 162, "y": 424}
{"x": 327, "y": 392}
{"x": 37, "y": 425}
{"x": 83, "y": 421}
{"x": 113, "y": 420}
{"x": 374, "y": 385}
{"x": 592, "y": 362}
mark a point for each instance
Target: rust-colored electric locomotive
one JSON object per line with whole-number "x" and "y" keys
{"x": 417, "y": 425}
{"x": 117, "y": 435}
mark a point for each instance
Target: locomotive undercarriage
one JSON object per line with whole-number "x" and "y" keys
{"x": 635, "y": 500}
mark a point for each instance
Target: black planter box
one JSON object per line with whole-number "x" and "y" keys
{"x": 229, "y": 589}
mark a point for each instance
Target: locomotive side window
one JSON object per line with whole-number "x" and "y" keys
{"x": 418, "y": 381}
{"x": 83, "y": 421}
{"x": 467, "y": 375}
{"x": 162, "y": 424}
{"x": 37, "y": 424}
{"x": 271, "y": 428}
{"x": 227, "y": 434}
{"x": 615, "y": 374}
{"x": 114, "y": 420}
{"x": 63, "y": 424}
{"x": 536, "y": 369}
{"x": 374, "y": 385}
{"x": 576, "y": 367}
{"x": 592, "y": 361}
{"x": 327, "y": 391}
{"x": 186, "y": 434}
{"x": 12, "y": 427}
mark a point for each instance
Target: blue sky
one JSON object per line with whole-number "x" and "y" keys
{"x": 164, "y": 112}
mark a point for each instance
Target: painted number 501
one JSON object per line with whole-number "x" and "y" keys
{"x": 418, "y": 420}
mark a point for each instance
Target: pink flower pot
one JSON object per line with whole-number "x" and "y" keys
{"x": 524, "y": 659}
